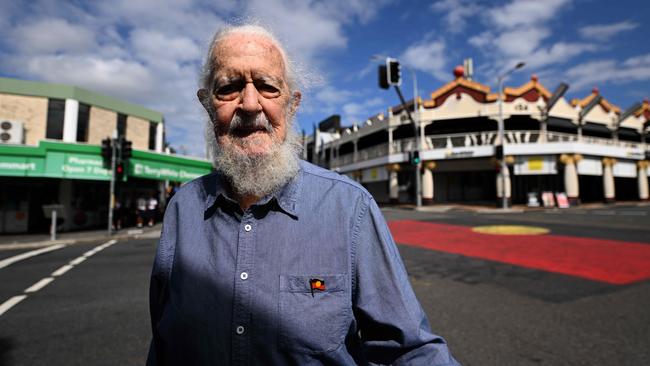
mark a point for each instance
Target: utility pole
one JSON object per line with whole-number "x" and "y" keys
{"x": 500, "y": 151}
{"x": 111, "y": 200}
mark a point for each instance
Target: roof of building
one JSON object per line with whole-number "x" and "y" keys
{"x": 61, "y": 91}
{"x": 603, "y": 102}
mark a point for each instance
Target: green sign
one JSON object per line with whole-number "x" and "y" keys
{"x": 164, "y": 171}
{"x": 80, "y": 161}
{"x": 78, "y": 166}
{"x": 21, "y": 166}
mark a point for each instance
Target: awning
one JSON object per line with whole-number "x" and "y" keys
{"x": 81, "y": 161}
{"x": 560, "y": 123}
{"x": 629, "y": 133}
{"x": 596, "y": 128}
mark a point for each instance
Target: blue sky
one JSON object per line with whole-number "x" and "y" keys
{"x": 150, "y": 52}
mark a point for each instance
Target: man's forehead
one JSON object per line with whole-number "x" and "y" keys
{"x": 238, "y": 50}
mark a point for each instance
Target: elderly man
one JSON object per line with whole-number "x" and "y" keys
{"x": 271, "y": 260}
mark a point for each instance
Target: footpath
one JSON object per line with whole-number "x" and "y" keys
{"x": 23, "y": 241}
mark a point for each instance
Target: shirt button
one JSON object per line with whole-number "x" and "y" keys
{"x": 243, "y": 276}
{"x": 247, "y": 227}
{"x": 240, "y": 330}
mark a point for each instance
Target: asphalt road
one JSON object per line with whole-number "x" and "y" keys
{"x": 490, "y": 312}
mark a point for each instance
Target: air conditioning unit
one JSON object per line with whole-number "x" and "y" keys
{"x": 11, "y": 132}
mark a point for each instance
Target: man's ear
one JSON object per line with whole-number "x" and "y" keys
{"x": 204, "y": 99}
{"x": 294, "y": 102}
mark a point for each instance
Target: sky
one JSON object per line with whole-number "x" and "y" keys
{"x": 150, "y": 52}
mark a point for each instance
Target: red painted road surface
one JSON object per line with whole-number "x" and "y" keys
{"x": 610, "y": 261}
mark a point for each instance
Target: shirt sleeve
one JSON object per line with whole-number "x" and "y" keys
{"x": 393, "y": 327}
{"x": 158, "y": 287}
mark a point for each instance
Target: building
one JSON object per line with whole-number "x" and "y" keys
{"x": 50, "y": 154}
{"x": 590, "y": 157}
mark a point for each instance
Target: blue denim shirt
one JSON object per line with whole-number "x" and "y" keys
{"x": 240, "y": 287}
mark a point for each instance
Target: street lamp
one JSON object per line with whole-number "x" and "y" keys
{"x": 416, "y": 129}
{"x": 502, "y": 157}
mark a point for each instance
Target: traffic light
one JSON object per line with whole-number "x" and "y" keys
{"x": 383, "y": 77}
{"x": 393, "y": 71}
{"x": 107, "y": 151}
{"x": 414, "y": 157}
{"x": 119, "y": 171}
{"x": 126, "y": 149}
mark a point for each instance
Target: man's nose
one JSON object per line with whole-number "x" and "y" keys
{"x": 250, "y": 102}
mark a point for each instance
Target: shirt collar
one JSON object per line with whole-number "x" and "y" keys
{"x": 215, "y": 188}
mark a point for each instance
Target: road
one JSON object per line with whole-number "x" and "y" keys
{"x": 497, "y": 299}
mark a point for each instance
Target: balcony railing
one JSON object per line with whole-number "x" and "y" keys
{"x": 448, "y": 141}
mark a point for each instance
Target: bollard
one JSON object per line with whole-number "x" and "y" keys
{"x": 53, "y": 226}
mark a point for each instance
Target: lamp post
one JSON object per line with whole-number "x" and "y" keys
{"x": 502, "y": 160}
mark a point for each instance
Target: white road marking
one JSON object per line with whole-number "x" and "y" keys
{"x": 39, "y": 285}
{"x": 6, "y": 262}
{"x": 78, "y": 260}
{"x": 62, "y": 270}
{"x": 10, "y": 303}
{"x": 4, "y": 307}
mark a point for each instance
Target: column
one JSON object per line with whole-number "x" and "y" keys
{"x": 427, "y": 182}
{"x": 642, "y": 177}
{"x": 571, "y": 185}
{"x": 393, "y": 183}
{"x": 390, "y": 140}
{"x": 500, "y": 182}
{"x": 608, "y": 180}
{"x": 70, "y": 119}
{"x": 355, "y": 155}
{"x": 160, "y": 133}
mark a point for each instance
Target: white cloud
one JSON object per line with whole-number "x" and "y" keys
{"x": 519, "y": 13}
{"x": 597, "y": 72}
{"x": 154, "y": 45}
{"x": 430, "y": 57}
{"x": 50, "y": 35}
{"x": 116, "y": 77}
{"x": 457, "y": 12}
{"x": 357, "y": 112}
{"x": 604, "y": 32}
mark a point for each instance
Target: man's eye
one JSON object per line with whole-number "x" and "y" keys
{"x": 268, "y": 91}
{"x": 227, "y": 92}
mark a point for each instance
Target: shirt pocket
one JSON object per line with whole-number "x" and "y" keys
{"x": 313, "y": 324}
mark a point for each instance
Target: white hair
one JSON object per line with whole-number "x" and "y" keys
{"x": 292, "y": 75}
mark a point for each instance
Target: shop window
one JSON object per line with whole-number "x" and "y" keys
{"x": 152, "y": 135}
{"x": 82, "y": 122}
{"x": 55, "y": 116}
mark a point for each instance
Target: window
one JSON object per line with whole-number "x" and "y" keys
{"x": 153, "y": 129}
{"x": 121, "y": 124}
{"x": 55, "y": 116}
{"x": 82, "y": 122}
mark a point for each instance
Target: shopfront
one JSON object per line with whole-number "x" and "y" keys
{"x": 73, "y": 176}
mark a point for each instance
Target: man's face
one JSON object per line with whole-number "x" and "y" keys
{"x": 249, "y": 85}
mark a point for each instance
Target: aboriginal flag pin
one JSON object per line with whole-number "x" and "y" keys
{"x": 316, "y": 284}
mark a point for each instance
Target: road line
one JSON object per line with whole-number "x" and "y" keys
{"x": 77, "y": 260}
{"x": 62, "y": 270}
{"x": 9, "y": 261}
{"x": 39, "y": 285}
{"x": 10, "y": 303}
{"x": 4, "y": 307}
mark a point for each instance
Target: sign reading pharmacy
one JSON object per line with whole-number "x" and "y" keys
{"x": 74, "y": 161}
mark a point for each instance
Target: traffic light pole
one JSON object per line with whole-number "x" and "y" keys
{"x": 418, "y": 174}
{"x": 111, "y": 200}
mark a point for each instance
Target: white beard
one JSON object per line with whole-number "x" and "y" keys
{"x": 257, "y": 175}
